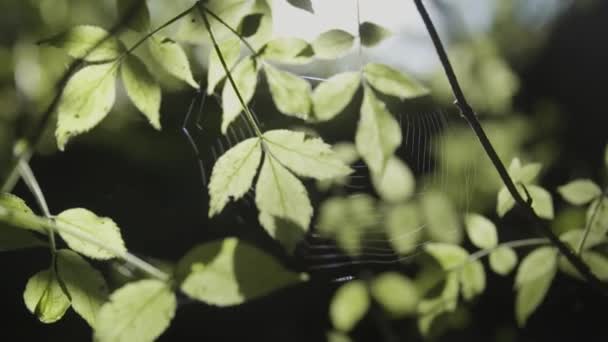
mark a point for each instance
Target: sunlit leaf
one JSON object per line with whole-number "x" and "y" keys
{"x": 231, "y": 50}
{"x": 90, "y": 43}
{"x": 396, "y": 183}
{"x": 257, "y": 26}
{"x": 573, "y": 238}
{"x": 503, "y": 260}
{"x": 87, "y": 99}
{"x": 472, "y": 279}
{"x": 345, "y": 152}
{"x": 404, "y": 227}
{"x": 233, "y": 174}
{"x": 290, "y": 93}
{"x": 44, "y": 297}
{"x": 441, "y": 217}
{"x": 142, "y": 88}
{"x": 331, "y": 96}
{"x": 392, "y": 82}
{"x": 539, "y": 262}
{"x": 302, "y": 4}
{"x": 288, "y": 50}
{"x": 333, "y": 44}
{"x": 287, "y": 233}
{"x": 505, "y": 202}
{"x": 524, "y": 174}
{"x": 222, "y": 273}
{"x": 378, "y": 133}
{"x": 137, "y": 312}
{"x": 580, "y": 191}
{"x": 533, "y": 279}
{"x": 171, "y": 56}
{"x": 245, "y": 76}
{"x": 348, "y": 306}
{"x": 16, "y": 204}
{"x": 396, "y": 293}
{"x": 372, "y": 34}
{"x": 447, "y": 301}
{"x": 140, "y": 19}
{"x": 103, "y": 229}
{"x": 193, "y": 30}
{"x": 481, "y": 231}
{"x": 307, "y": 157}
{"x": 85, "y": 285}
{"x": 447, "y": 255}
{"x": 542, "y": 203}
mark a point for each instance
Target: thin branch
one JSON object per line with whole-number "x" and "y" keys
{"x": 589, "y": 224}
{"x": 468, "y": 113}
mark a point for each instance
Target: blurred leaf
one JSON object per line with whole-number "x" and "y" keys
{"x": 257, "y": 26}
{"x": 140, "y": 20}
{"x": 172, "y": 57}
{"x": 103, "y": 229}
{"x": 288, "y": 50}
{"x": 396, "y": 183}
{"x": 392, "y": 82}
{"x": 290, "y": 93}
{"x": 287, "y": 233}
{"x": 580, "y": 191}
{"x": 336, "y": 336}
{"x": 523, "y": 174}
{"x": 15, "y": 238}
{"x": 481, "y": 231}
{"x": 90, "y": 43}
{"x": 573, "y": 238}
{"x": 503, "y": 260}
{"x": 221, "y": 273}
{"x": 542, "y": 203}
{"x": 539, "y": 262}
{"x": 233, "y": 174}
{"x": 192, "y": 29}
{"x": 302, "y": 4}
{"x": 372, "y": 34}
{"x": 447, "y": 255}
{"x": 231, "y": 50}
{"x": 16, "y": 204}
{"x": 441, "y": 217}
{"x": 505, "y": 202}
{"x": 137, "y": 312}
{"x": 142, "y": 88}
{"x": 599, "y": 223}
{"x": 279, "y": 193}
{"x": 245, "y": 76}
{"x": 333, "y": 44}
{"x": 349, "y": 305}
{"x": 87, "y": 99}
{"x": 44, "y": 297}
{"x": 404, "y": 227}
{"x": 533, "y": 279}
{"x": 378, "y": 133}
{"x": 396, "y": 293}
{"x": 598, "y": 263}
{"x": 345, "y": 152}
{"x": 85, "y": 285}
{"x": 447, "y": 301}
{"x": 472, "y": 279}
{"x": 331, "y": 96}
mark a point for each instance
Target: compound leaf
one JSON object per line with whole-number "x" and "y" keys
{"x": 332, "y": 44}
{"x": 331, "y": 96}
{"x": 142, "y": 88}
{"x": 91, "y": 43}
{"x": 290, "y": 93}
{"x": 245, "y": 76}
{"x": 230, "y": 50}
{"x": 171, "y": 56}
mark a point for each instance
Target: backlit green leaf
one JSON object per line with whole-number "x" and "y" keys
{"x": 372, "y": 34}
{"x": 533, "y": 279}
{"x": 85, "y": 285}
{"x": 233, "y": 174}
{"x": 503, "y": 260}
{"x": 447, "y": 301}
{"x": 142, "y": 88}
{"x": 140, "y": 20}
{"x": 481, "y": 231}
{"x": 598, "y": 263}
{"x": 171, "y": 56}
{"x": 16, "y": 204}
{"x": 87, "y": 99}
{"x": 193, "y": 30}
{"x": 288, "y": 50}
{"x": 378, "y": 133}
{"x": 523, "y": 174}
{"x": 348, "y": 306}
{"x": 44, "y": 297}
{"x": 287, "y": 233}
{"x": 231, "y": 50}
{"x": 542, "y": 203}
{"x": 230, "y": 272}
{"x": 331, "y": 96}
{"x": 539, "y": 262}
{"x": 580, "y": 191}
{"x": 90, "y": 43}
{"x": 393, "y": 82}
{"x": 505, "y": 202}
{"x": 441, "y": 217}
{"x": 598, "y": 223}
{"x": 137, "y": 312}
{"x": 307, "y": 157}
{"x": 290, "y": 93}
{"x": 102, "y": 229}
{"x": 257, "y": 26}
{"x": 472, "y": 279}
{"x": 245, "y": 76}
{"x": 404, "y": 227}
{"x": 302, "y": 4}
{"x": 396, "y": 293}
{"x": 333, "y": 44}
{"x": 447, "y": 255}
{"x": 396, "y": 183}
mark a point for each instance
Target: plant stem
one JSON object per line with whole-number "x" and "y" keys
{"x": 469, "y": 115}
{"x": 511, "y": 244}
{"x": 231, "y": 29}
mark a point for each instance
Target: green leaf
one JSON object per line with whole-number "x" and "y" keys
{"x": 447, "y": 301}
{"x": 279, "y": 193}
{"x": 598, "y": 263}
{"x": 404, "y": 227}
{"x": 193, "y": 30}
{"x": 257, "y": 26}
{"x": 287, "y": 233}
{"x": 396, "y": 293}
{"x": 305, "y": 5}
{"x": 233, "y": 174}
{"x": 372, "y": 34}
{"x": 306, "y": 157}
{"x": 447, "y": 255}
{"x": 441, "y": 217}
{"x": 288, "y": 50}
{"x": 85, "y": 285}
{"x": 472, "y": 279}
{"x": 573, "y": 238}
{"x": 393, "y": 82}
{"x": 481, "y": 231}
{"x": 331, "y": 96}
{"x": 87, "y": 99}
{"x": 396, "y": 183}
{"x": 378, "y": 133}
{"x": 523, "y": 174}
{"x": 137, "y": 312}
{"x": 44, "y": 297}
{"x": 336, "y": 336}
{"x": 290, "y": 93}
{"x": 142, "y": 88}
{"x": 505, "y": 202}
{"x": 333, "y": 44}
{"x": 15, "y": 204}
{"x": 221, "y": 273}
{"x": 580, "y": 191}
{"x": 348, "y": 306}
{"x": 171, "y": 56}
{"x": 140, "y": 20}
{"x": 103, "y": 229}
{"x": 533, "y": 279}
{"x": 503, "y": 260}
{"x": 542, "y": 203}
{"x": 539, "y": 262}
{"x": 599, "y": 223}
{"x": 347, "y": 153}
{"x": 245, "y": 76}
{"x": 231, "y": 50}
{"x": 90, "y": 43}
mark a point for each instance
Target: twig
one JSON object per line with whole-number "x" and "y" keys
{"x": 469, "y": 115}
{"x": 588, "y": 226}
